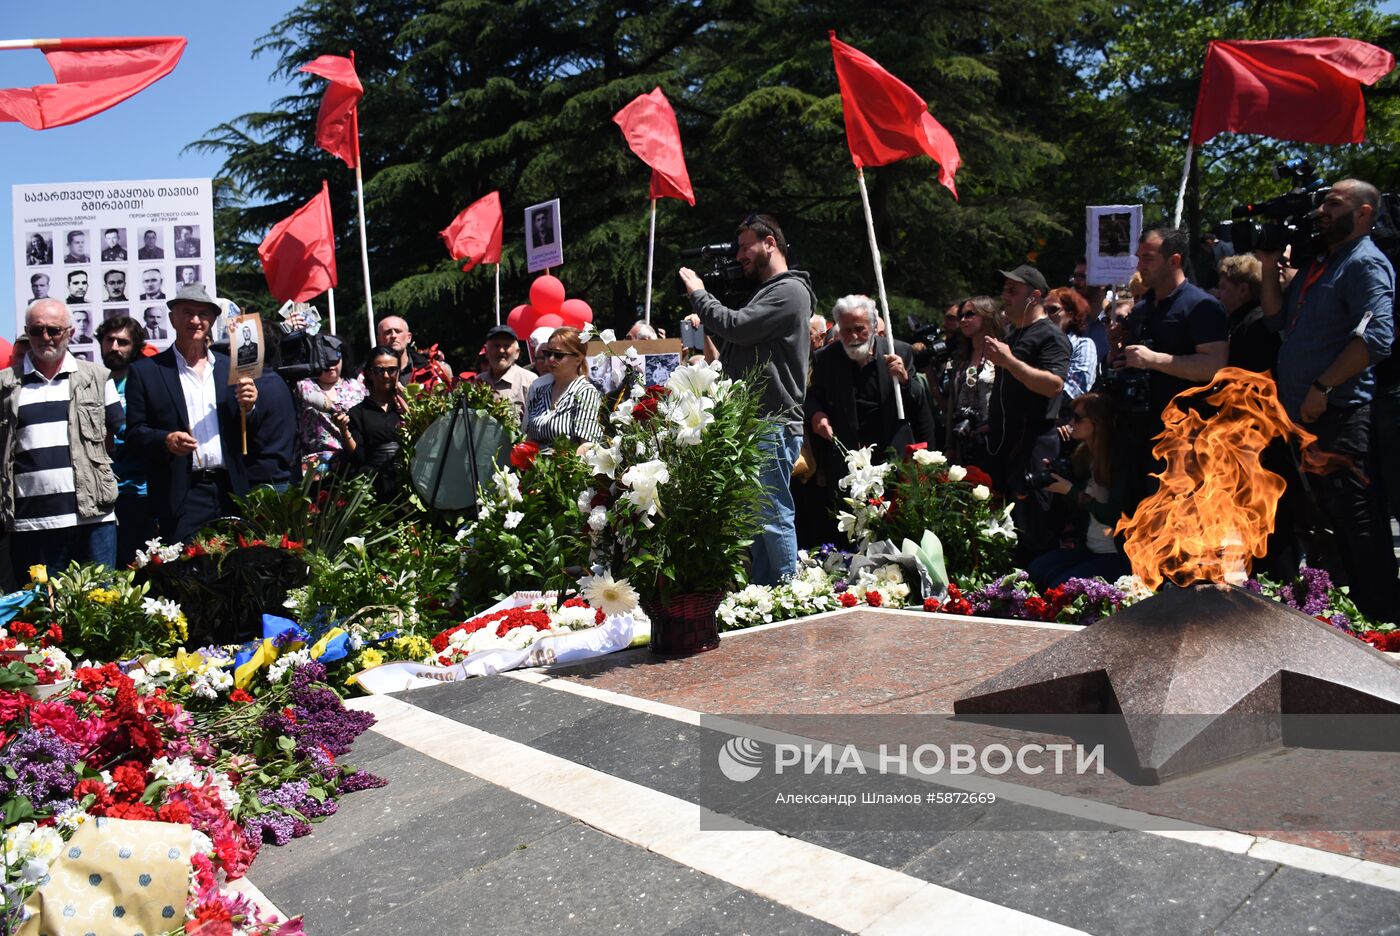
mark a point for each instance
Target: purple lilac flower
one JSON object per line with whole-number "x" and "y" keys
{"x": 290, "y": 636}
{"x": 43, "y": 766}
{"x": 361, "y": 780}
{"x": 1254, "y": 586}
{"x": 277, "y": 828}
{"x": 1341, "y": 622}
{"x": 839, "y": 586}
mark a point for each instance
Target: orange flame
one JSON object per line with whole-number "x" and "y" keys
{"x": 1215, "y": 507}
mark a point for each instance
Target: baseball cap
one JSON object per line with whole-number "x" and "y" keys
{"x": 499, "y": 330}
{"x": 1030, "y": 276}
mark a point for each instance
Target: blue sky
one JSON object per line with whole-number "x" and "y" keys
{"x": 141, "y": 138}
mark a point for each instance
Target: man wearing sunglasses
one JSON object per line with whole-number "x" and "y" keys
{"x": 769, "y": 333}
{"x": 184, "y": 419}
{"x": 57, "y": 414}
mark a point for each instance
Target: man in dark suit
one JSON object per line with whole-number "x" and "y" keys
{"x": 851, "y": 396}
{"x": 183, "y": 417}
{"x": 150, "y": 250}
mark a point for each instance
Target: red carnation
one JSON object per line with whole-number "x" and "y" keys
{"x": 847, "y": 599}
{"x": 54, "y": 637}
{"x": 873, "y": 599}
{"x": 131, "y": 811}
{"x": 130, "y": 781}
{"x": 23, "y": 630}
{"x": 239, "y": 696}
{"x": 523, "y": 455}
{"x": 174, "y": 813}
{"x": 1385, "y": 641}
{"x": 1036, "y": 608}
{"x": 932, "y": 604}
{"x": 95, "y": 788}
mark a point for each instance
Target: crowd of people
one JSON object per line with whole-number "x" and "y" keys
{"x": 1055, "y": 393}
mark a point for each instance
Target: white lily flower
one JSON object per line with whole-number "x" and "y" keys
{"x": 690, "y": 414}
{"x": 604, "y": 461}
{"x": 513, "y": 518}
{"x": 697, "y": 379}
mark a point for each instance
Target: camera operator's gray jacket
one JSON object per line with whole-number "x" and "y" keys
{"x": 771, "y": 334}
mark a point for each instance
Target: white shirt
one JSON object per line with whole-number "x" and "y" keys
{"x": 202, "y": 410}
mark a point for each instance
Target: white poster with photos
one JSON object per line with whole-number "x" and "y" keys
{"x": 110, "y": 249}
{"x": 1111, "y": 252}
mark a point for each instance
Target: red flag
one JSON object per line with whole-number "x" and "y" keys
{"x": 475, "y": 234}
{"x": 885, "y": 120}
{"x": 650, "y": 127}
{"x": 92, "y": 75}
{"x": 1307, "y": 90}
{"x": 337, "y": 123}
{"x": 298, "y": 254}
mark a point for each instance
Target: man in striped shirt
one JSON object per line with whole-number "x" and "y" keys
{"x": 57, "y": 489}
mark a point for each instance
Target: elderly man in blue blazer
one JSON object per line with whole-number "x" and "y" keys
{"x": 183, "y": 417}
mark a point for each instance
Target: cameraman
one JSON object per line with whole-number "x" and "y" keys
{"x": 1030, "y": 373}
{"x": 770, "y": 334}
{"x": 1177, "y": 333}
{"x": 1336, "y": 319}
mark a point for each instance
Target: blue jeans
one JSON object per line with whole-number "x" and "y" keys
{"x": 55, "y": 549}
{"x": 774, "y": 550}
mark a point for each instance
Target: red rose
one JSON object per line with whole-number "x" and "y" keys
{"x": 977, "y": 476}
{"x": 523, "y": 455}
{"x": 847, "y": 599}
{"x": 932, "y": 604}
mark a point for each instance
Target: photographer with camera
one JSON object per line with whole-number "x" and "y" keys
{"x": 1098, "y": 490}
{"x": 1025, "y": 405}
{"x": 1336, "y": 317}
{"x": 770, "y": 334}
{"x": 970, "y": 384}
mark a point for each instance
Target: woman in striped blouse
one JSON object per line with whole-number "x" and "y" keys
{"x": 563, "y": 403}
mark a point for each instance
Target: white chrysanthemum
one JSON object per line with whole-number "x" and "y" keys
{"x": 930, "y": 457}
{"x": 612, "y": 596}
{"x": 574, "y": 618}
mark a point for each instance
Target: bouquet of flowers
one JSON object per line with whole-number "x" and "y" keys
{"x": 511, "y": 629}
{"x": 527, "y": 531}
{"x": 955, "y": 502}
{"x": 674, "y": 499}
{"x": 810, "y": 591}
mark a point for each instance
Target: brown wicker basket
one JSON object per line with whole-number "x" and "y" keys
{"x": 686, "y": 625}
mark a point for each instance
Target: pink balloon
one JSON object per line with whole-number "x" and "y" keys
{"x": 547, "y": 293}
{"x": 576, "y": 312}
{"x": 521, "y": 320}
{"x": 548, "y": 320}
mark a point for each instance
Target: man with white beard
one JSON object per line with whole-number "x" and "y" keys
{"x": 851, "y": 397}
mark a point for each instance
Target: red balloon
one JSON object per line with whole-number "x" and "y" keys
{"x": 547, "y": 293}
{"x": 548, "y": 320}
{"x": 576, "y": 312}
{"x": 6, "y": 352}
{"x": 521, "y": 320}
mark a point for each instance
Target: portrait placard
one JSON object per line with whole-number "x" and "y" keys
{"x": 103, "y": 247}
{"x": 544, "y": 237}
{"x": 1111, "y": 249}
{"x": 245, "y": 348}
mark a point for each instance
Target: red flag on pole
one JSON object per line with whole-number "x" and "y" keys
{"x": 885, "y": 120}
{"x": 298, "y": 254}
{"x": 475, "y": 234}
{"x": 92, "y": 75}
{"x": 337, "y": 123}
{"x": 1307, "y": 90}
{"x": 650, "y": 127}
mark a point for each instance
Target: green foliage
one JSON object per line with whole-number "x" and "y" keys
{"x": 104, "y": 617}
{"x": 414, "y": 572}
{"x": 319, "y": 515}
{"x": 525, "y": 536}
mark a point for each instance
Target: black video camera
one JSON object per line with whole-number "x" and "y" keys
{"x": 935, "y": 348}
{"x": 725, "y": 278}
{"x": 306, "y": 355}
{"x": 1130, "y": 387}
{"x": 1288, "y": 220}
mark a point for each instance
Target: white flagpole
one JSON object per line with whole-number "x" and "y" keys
{"x": 651, "y": 247}
{"x": 879, "y": 281}
{"x": 330, "y": 298}
{"x": 364, "y": 244}
{"x": 1181, "y": 191}
{"x": 498, "y": 293}
{"x": 28, "y": 43}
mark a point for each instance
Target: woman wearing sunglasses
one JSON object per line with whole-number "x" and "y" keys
{"x": 370, "y": 430}
{"x": 970, "y": 389}
{"x": 563, "y": 403}
{"x": 1098, "y": 495}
